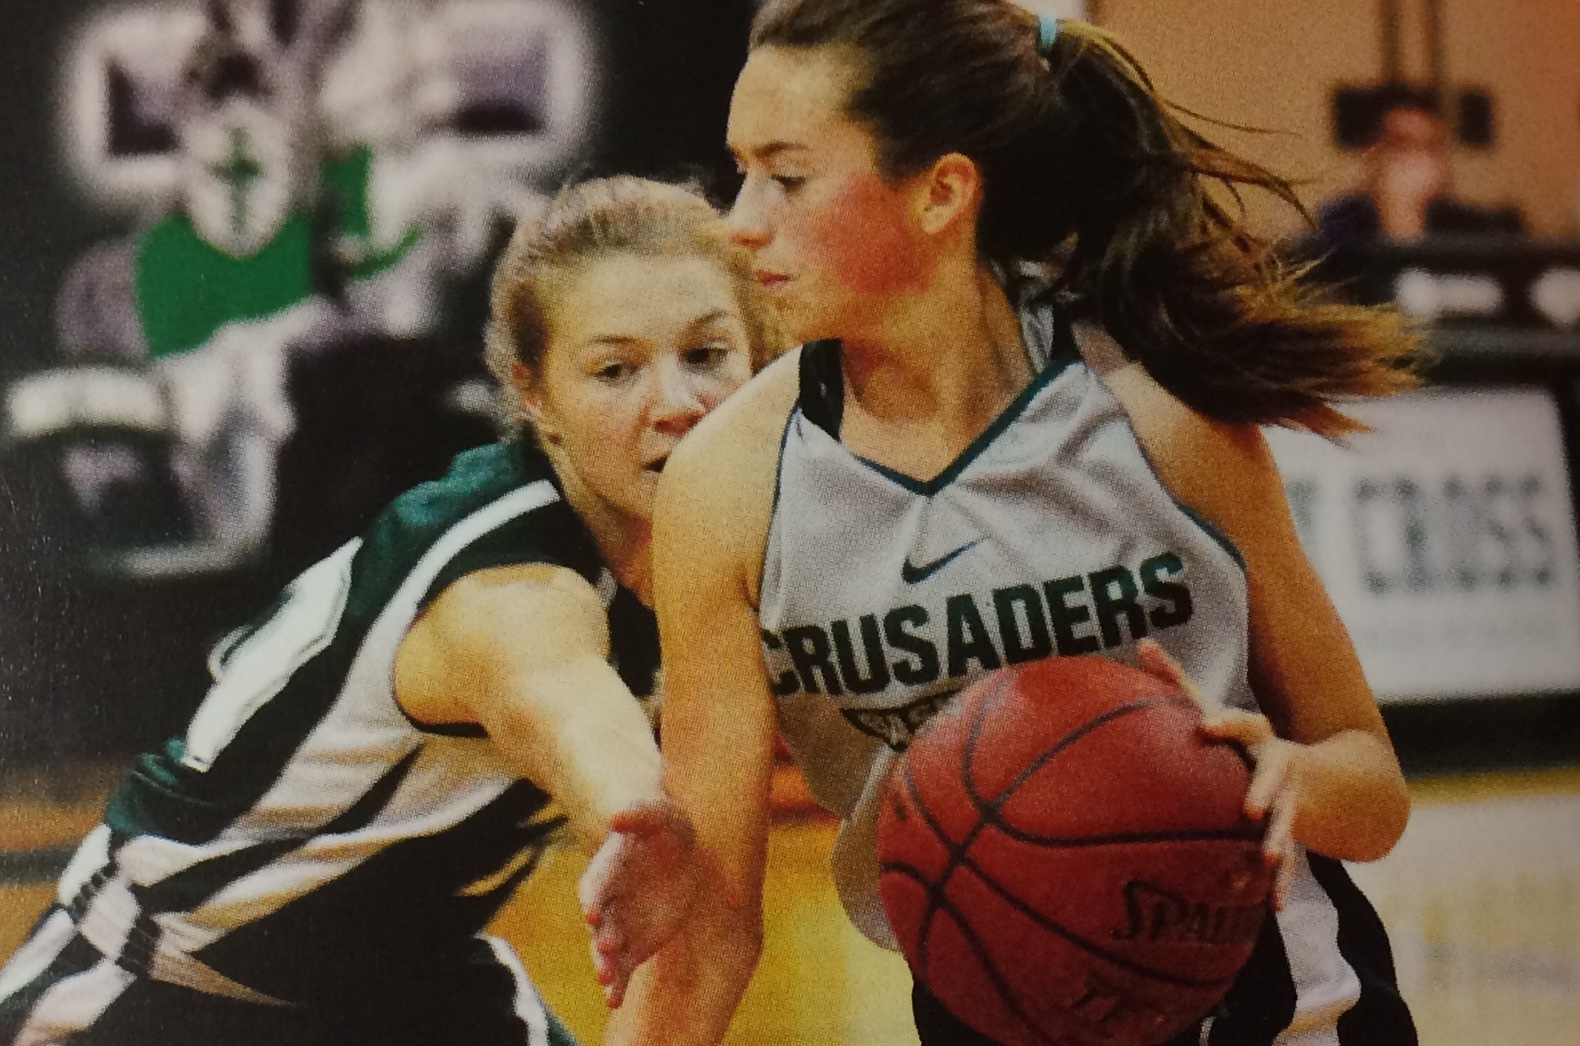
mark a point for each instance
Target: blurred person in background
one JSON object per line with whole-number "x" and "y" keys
{"x": 1407, "y": 190}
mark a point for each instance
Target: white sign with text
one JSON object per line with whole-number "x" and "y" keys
{"x": 1446, "y": 538}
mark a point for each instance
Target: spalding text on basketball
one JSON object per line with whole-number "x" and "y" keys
{"x": 1157, "y": 915}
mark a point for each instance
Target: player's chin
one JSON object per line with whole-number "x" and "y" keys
{"x": 825, "y": 317}
{"x": 800, "y": 317}
{"x": 642, "y": 494}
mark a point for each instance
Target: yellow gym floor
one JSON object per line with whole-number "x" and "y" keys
{"x": 1482, "y": 901}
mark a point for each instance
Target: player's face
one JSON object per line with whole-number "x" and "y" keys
{"x": 830, "y": 237}
{"x": 640, "y": 349}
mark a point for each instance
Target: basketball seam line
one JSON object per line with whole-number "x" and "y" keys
{"x": 1060, "y": 842}
{"x": 988, "y": 810}
{"x": 988, "y": 813}
{"x": 937, "y": 898}
{"x": 934, "y": 897}
{"x": 974, "y": 942}
{"x": 1047, "y": 923}
{"x": 1086, "y": 728}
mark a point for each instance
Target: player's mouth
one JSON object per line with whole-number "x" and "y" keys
{"x": 771, "y": 281}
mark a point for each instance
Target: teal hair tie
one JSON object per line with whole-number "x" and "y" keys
{"x": 1047, "y": 33}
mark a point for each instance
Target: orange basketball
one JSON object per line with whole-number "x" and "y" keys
{"x": 1065, "y": 859}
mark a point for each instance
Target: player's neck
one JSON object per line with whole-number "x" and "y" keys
{"x": 624, "y": 540}
{"x": 626, "y": 544}
{"x": 949, "y": 360}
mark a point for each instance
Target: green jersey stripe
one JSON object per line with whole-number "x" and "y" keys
{"x": 194, "y": 885}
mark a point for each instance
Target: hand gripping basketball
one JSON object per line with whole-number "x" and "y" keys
{"x": 636, "y": 890}
{"x": 1274, "y": 792}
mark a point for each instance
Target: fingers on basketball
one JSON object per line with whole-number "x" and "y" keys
{"x": 1278, "y": 845}
{"x": 1155, "y": 661}
{"x": 1271, "y": 795}
{"x": 1250, "y": 730}
{"x": 1271, "y": 778}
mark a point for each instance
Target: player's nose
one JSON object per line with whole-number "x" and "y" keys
{"x": 678, "y": 403}
{"x": 746, "y": 221}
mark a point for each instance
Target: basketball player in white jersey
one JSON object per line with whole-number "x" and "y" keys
{"x": 1023, "y": 422}
{"x": 369, "y": 777}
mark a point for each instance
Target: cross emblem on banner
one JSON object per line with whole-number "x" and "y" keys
{"x": 238, "y": 171}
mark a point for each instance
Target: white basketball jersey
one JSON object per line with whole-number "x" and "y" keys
{"x": 883, "y": 595}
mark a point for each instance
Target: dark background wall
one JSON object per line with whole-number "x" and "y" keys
{"x": 92, "y": 663}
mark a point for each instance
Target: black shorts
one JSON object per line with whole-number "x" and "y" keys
{"x": 59, "y": 988}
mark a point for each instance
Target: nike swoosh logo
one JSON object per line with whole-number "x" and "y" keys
{"x": 912, "y": 575}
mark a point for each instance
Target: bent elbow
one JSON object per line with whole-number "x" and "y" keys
{"x": 1386, "y": 822}
{"x": 1398, "y": 818}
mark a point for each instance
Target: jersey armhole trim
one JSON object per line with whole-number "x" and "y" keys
{"x": 1213, "y": 532}
{"x": 1205, "y": 525}
{"x": 820, "y": 385}
{"x": 511, "y": 508}
{"x": 1202, "y": 523}
{"x": 773, "y": 506}
{"x": 471, "y": 730}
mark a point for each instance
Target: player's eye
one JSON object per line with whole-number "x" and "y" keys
{"x": 614, "y": 371}
{"x": 789, "y": 182}
{"x": 709, "y": 356}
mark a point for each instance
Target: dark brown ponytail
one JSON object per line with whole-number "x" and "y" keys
{"x": 1085, "y": 166}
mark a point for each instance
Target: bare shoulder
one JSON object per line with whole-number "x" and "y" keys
{"x": 718, "y": 488}
{"x": 1224, "y": 471}
{"x": 498, "y": 599}
{"x": 490, "y": 622}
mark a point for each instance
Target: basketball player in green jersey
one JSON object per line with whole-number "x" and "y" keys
{"x": 369, "y": 777}
{"x": 1023, "y": 423}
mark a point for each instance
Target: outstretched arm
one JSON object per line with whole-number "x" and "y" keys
{"x": 523, "y": 651}
{"x": 709, "y": 533}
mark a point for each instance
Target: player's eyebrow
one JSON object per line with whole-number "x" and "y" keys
{"x": 767, "y": 150}
{"x": 614, "y": 340}
{"x": 710, "y": 317}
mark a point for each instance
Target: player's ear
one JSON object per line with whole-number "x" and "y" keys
{"x": 529, "y": 394}
{"x": 948, "y": 192}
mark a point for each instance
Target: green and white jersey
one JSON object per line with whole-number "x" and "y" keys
{"x": 306, "y": 838}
